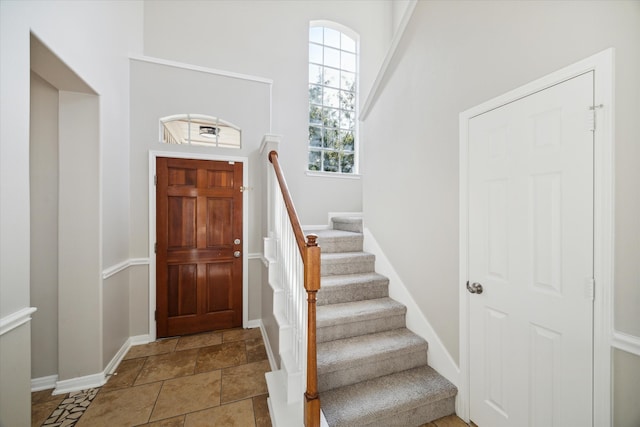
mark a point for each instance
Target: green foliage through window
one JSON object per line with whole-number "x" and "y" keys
{"x": 332, "y": 100}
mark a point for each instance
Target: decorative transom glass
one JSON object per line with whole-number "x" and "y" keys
{"x": 199, "y": 129}
{"x": 333, "y": 84}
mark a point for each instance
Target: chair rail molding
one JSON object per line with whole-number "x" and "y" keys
{"x": 123, "y": 265}
{"x": 16, "y": 319}
{"x": 626, "y": 342}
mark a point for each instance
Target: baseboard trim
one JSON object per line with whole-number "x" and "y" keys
{"x": 439, "y": 358}
{"x": 139, "y": 340}
{"x": 80, "y": 383}
{"x": 43, "y": 383}
{"x": 99, "y": 379}
{"x": 255, "y": 323}
{"x": 267, "y": 346}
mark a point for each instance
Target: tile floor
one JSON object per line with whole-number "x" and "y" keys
{"x": 450, "y": 421}
{"x": 210, "y": 379}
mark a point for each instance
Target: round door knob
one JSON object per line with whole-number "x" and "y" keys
{"x": 236, "y": 254}
{"x": 236, "y": 242}
{"x": 474, "y": 288}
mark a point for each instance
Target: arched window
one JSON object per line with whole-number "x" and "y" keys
{"x": 333, "y": 89}
{"x": 198, "y": 129}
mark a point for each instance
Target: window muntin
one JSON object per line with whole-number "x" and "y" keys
{"x": 333, "y": 83}
{"x": 199, "y": 129}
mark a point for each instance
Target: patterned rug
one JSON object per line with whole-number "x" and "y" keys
{"x": 71, "y": 408}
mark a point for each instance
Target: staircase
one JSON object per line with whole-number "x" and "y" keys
{"x": 372, "y": 371}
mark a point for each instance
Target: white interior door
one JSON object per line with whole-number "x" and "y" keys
{"x": 531, "y": 250}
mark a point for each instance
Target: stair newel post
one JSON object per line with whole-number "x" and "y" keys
{"x": 312, "y": 285}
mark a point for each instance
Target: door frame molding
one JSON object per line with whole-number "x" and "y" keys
{"x": 602, "y": 64}
{"x": 153, "y": 155}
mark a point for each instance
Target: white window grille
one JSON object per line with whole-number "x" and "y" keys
{"x": 333, "y": 96}
{"x": 199, "y": 129}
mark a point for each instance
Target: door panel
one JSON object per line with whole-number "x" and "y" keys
{"x": 199, "y": 221}
{"x": 531, "y": 248}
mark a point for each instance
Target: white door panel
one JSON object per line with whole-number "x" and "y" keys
{"x": 531, "y": 248}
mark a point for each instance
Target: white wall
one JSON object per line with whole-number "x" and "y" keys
{"x": 159, "y": 91}
{"x": 270, "y": 39}
{"x": 626, "y": 377}
{"x": 457, "y": 54}
{"x": 43, "y": 167}
{"x": 94, "y": 40}
{"x": 79, "y": 288}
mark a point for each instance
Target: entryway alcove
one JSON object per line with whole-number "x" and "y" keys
{"x": 64, "y": 173}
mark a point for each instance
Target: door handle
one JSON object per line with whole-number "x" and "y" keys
{"x": 474, "y": 288}
{"x": 236, "y": 254}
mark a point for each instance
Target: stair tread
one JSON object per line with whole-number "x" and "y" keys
{"x": 331, "y": 233}
{"x": 346, "y": 352}
{"x": 382, "y": 397}
{"x": 339, "y": 288}
{"x": 357, "y": 311}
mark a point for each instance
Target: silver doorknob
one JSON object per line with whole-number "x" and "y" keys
{"x": 474, "y": 288}
{"x": 236, "y": 254}
{"x": 236, "y": 242}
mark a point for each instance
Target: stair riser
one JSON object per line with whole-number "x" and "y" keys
{"x": 341, "y": 267}
{"x": 354, "y": 329}
{"x": 417, "y": 416}
{"x": 366, "y": 370}
{"x": 341, "y": 244}
{"x": 347, "y": 225}
{"x": 353, "y": 292}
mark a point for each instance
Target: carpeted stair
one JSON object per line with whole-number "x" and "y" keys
{"x": 372, "y": 371}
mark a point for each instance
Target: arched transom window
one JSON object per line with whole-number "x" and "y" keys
{"x": 333, "y": 88}
{"x": 199, "y": 129}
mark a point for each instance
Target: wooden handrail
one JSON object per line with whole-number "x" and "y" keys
{"x": 291, "y": 210}
{"x": 310, "y": 253}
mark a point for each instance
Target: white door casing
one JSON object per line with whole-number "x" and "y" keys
{"x": 153, "y": 154}
{"x": 536, "y": 227}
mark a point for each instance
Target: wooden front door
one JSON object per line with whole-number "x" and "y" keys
{"x": 199, "y": 242}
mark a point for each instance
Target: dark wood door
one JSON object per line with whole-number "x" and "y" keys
{"x": 199, "y": 242}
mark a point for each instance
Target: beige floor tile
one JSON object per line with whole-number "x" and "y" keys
{"x": 255, "y": 350}
{"x": 121, "y": 408}
{"x": 46, "y": 396}
{"x": 167, "y": 366}
{"x": 241, "y": 334}
{"x": 199, "y": 340}
{"x": 241, "y": 382}
{"x": 169, "y": 422}
{"x": 237, "y": 414}
{"x": 151, "y": 349}
{"x": 125, "y": 375}
{"x": 187, "y": 394}
{"x": 450, "y": 421}
{"x": 221, "y": 356}
{"x": 261, "y": 411}
{"x": 40, "y": 411}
